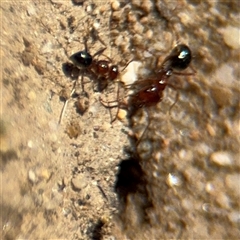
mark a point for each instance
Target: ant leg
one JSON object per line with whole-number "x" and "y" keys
{"x": 85, "y": 43}
{"x": 148, "y": 124}
{"x": 82, "y": 84}
{"x": 118, "y": 107}
{"x": 118, "y": 104}
{"x": 176, "y": 98}
{"x": 186, "y": 74}
{"x": 106, "y": 104}
{"x": 99, "y": 52}
{"x": 127, "y": 64}
{"x": 194, "y": 71}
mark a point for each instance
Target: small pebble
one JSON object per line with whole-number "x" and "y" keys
{"x": 31, "y": 10}
{"x": 221, "y": 96}
{"x": 210, "y": 188}
{"x": 30, "y": 144}
{"x": 66, "y": 211}
{"x": 234, "y": 217}
{"x": 78, "y": 2}
{"x": 32, "y": 176}
{"x": 221, "y": 158}
{"x": 231, "y": 36}
{"x": 149, "y": 34}
{"x": 45, "y": 174}
{"x": 223, "y": 200}
{"x": 31, "y": 95}
{"x": 211, "y": 131}
{"x": 79, "y": 182}
{"x": 115, "y": 5}
{"x": 232, "y": 182}
{"x": 173, "y": 180}
{"x": 122, "y": 114}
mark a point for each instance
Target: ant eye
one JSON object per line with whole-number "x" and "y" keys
{"x": 180, "y": 57}
{"x": 81, "y": 59}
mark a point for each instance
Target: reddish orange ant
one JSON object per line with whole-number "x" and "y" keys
{"x": 149, "y": 92}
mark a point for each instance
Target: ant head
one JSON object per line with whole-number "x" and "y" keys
{"x": 179, "y": 58}
{"x": 82, "y": 59}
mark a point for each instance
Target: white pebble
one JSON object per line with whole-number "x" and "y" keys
{"x": 30, "y": 144}
{"x": 79, "y": 182}
{"x": 231, "y": 36}
{"x": 130, "y": 74}
{"x": 115, "y": 5}
{"x": 173, "y": 180}
{"x": 221, "y": 158}
{"x": 234, "y": 217}
{"x": 32, "y": 176}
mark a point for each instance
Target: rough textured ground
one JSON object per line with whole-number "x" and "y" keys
{"x": 64, "y": 181}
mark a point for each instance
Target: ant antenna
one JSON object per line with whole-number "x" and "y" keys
{"x": 148, "y": 124}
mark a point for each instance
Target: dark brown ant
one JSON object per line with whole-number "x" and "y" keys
{"x": 83, "y": 63}
{"x": 149, "y": 92}
{"x": 101, "y": 71}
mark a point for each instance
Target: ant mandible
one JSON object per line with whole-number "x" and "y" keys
{"x": 149, "y": 92}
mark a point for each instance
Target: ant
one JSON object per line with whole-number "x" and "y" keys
{"x": 85, "y": 63}
{"x": 149, "y": 92}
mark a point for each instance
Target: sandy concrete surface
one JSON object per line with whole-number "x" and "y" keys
{"x": 86, "y": 178}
